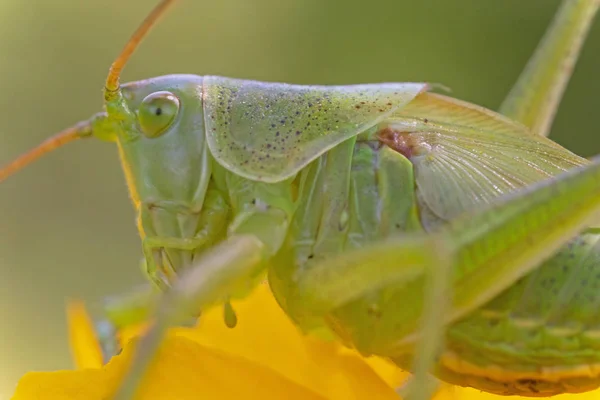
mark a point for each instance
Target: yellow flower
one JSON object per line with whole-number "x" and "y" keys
{"x": 264, "y": 357}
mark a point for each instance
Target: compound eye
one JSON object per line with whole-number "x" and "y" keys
{"x": 157, "y": 112}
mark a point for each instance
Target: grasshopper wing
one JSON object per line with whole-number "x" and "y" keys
{"x": 465, "y": 156}
{"x": 269, "y": 131}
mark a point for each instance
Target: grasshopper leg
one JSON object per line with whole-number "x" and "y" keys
{"x": 153, "y": 247}
{"x": 227, "y": 268}
{"x": 409, "y": 387}
{"x": 134, "y": 307}
{"x": 466, "y": 263}
{"x": 536, "y": 95}
{"x": 341, "y": 279}
{"x": 120, "y": 311}
{"x": 212, "y": 219}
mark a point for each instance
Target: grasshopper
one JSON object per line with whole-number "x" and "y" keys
{"x": 445, "y": 237}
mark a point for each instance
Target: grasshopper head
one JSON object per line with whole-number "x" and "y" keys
{"x": 159, "y": 127}
{"x": 161, "y": 139}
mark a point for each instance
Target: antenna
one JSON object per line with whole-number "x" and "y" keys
{"x": 111, "y": 88}
{"x": 81, "y": 130}
{"x": 111, "y": 92}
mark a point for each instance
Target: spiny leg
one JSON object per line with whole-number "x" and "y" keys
{"x": 135, "y": 307}
{"x": 226, "y": 269}
{"x": 491, "y": 251}
{"x": 339, "y": 280}
{"x": 535, "y": 97}
{"x": 512, "y": 237}
{"x": 438, "y": 293}
{"x": 115, "y": 313}
{"x": 229, "y": 269}
{"x": 213, "y": 218}
{"x": 153, "y": 253}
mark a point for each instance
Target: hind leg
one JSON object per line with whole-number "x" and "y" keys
{"x": 465, "y": 264}
{"x": 536, "y": 95}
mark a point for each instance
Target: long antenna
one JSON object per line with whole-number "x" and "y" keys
{"x": 111, "y": 91}
{"x": 112, "y": 80}
{"x": 81, "y": 130}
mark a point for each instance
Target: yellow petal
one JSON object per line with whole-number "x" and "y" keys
{"x": 390, "y": 373}
{"x": 265, "y": 335}
{"x": 184, "y": 370}
{"x": 82, "y": 338}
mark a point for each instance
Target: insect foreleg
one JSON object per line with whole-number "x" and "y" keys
{"x": 153, "y": 247}
{"x": 538, "y": 91}
{"x": 225, "y": 269}
{"x": 210, "y": 228}
{"x": 121, "y": 311}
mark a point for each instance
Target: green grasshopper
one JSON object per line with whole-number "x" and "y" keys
{"x": 443, "y": 236}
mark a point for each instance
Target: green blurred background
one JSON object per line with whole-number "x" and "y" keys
{"x": 67, "y": 227}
